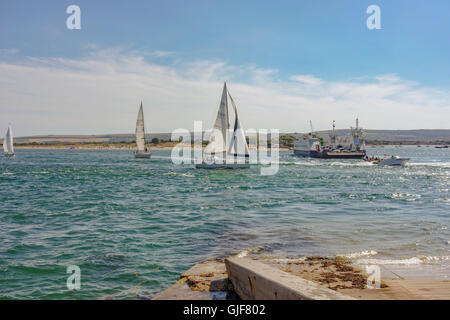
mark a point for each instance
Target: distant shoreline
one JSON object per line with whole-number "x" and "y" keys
{"x": 168, "y": 145}
{"x": 82, "y": 146}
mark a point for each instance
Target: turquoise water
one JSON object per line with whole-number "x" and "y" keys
{"x": 132, "y": 226}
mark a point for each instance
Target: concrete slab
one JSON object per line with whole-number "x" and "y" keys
{"x": 181, "y": 291}
{"x": 300, "y": 278}
{"x": 206, "y": 268}
{"x": 254, "y": 280}
{"x": 398, "y": 289}
{"x": 207, "y": 280}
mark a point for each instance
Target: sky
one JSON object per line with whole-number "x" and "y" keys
{"x": 285, "y": 63}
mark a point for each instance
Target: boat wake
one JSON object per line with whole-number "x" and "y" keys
{"x": 429, "y": 164}
{"x": 332, "y": 164}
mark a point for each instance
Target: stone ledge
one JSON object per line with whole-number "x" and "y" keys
{"x": 254, "y": 280}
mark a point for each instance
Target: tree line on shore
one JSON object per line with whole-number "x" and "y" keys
{"x": 285, "y": 141}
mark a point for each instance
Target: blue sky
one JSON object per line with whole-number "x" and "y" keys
{"x": 326, "y": 40}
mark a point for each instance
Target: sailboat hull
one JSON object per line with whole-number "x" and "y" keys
{"x": 142, "y": 155}
{"x": 9, "y": 155}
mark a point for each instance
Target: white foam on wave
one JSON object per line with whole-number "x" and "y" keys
{"x": 180, "y": 174}
{"x": 359, "y": 254}
{"x": 445, "y": 164}
{"x": 322, "y": 163}
{"x": 406, "y": 261}
{"x": 351, "y": 164}
{"x": 429, "y": 164}
{"x": 242, "y": 254}
{"x": 245, "y": 252}
{"x": 405, "y": 196}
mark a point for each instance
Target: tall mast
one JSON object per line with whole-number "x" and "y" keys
{"x": 333, "y": 133}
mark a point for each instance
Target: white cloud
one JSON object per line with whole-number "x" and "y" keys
{"x": 101, "y": 92}
{"x": 306, "y": 79}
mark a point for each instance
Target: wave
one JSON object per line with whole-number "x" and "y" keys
{"x": 323, "y": 163}
{"x": 161, "y": 157}
{"x": 180, "y": 174}
{"x": 359, "y": 254}
{"x": 405, "y": 261}
{"x": 429, "y": 164}
{"x": 245, "y": 252}
{"x": 366, "y": 258}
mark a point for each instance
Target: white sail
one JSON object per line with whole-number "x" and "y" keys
{"x": 219, "y": 135}
{"x": 8, "y": 146}
{"x": 140, "y": 131}
{"x": 238, "y": 144}
{"x": 223, "y": 151}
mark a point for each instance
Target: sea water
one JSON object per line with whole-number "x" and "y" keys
{"x": 132, "y": 226}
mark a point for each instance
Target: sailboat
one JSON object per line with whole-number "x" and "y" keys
{"x": 142, "y": 152}
{"x": 8, "y": 147}
{"x": 224, "y": 151}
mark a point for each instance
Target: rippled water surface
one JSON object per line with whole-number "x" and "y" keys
{"x": 133, "y": 226}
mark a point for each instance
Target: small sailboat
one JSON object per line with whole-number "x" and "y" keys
{"x": 8, "y": 146}
{"x": 224, "y": 151}
{"x": 143, "y": 151}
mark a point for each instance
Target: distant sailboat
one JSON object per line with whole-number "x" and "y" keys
{"x": 8, "y": 146}
{"x": 222, "y": 151}
{"x": 142, "y": 151}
